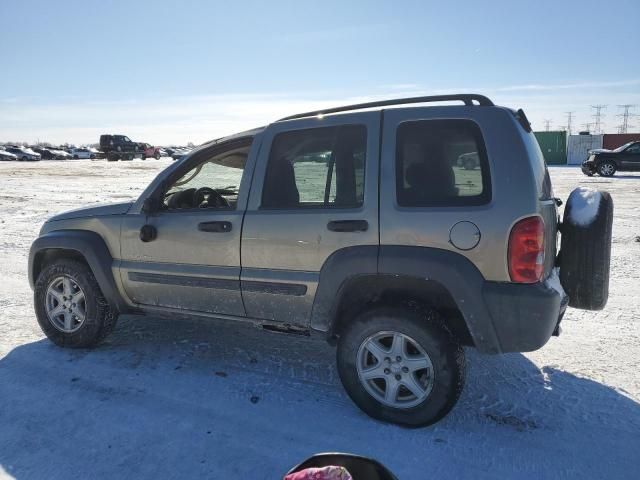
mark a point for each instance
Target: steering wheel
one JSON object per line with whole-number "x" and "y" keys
{"x": 213, "y": 198}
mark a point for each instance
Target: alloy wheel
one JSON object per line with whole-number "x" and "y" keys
{"x": 65, "y": 304}
{"x": 395, "y": 370}
{"x": 606, "y": 169}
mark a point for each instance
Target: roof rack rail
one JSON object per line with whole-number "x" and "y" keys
{"x": 466, "y": 98}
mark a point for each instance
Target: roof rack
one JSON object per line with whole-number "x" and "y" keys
{"x": 466, "y": 98}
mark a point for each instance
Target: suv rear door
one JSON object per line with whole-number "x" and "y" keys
{"x": 427, "y": 196}
{"x": 314, "y": 192}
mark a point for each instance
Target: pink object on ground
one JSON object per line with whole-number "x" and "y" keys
{"x": 323, "y": 473}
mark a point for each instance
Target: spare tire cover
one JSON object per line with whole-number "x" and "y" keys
{"x": 585, "y": 250}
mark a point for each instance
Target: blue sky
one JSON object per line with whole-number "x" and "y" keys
{"x": 178, "y": 71}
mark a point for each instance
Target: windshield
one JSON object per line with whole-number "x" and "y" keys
{"x": 623, "y": 147}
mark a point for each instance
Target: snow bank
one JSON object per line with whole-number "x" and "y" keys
{"x": 584, "y": 204}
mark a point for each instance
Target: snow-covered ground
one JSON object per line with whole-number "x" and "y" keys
{"x": 203, "y": 399}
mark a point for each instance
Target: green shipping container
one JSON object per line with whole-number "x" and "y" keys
{"x": 553, "y": 146}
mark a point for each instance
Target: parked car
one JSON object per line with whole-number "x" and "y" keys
{"x": 61, "y": 154}
{"x": 47, "y": 154}
{"x": 151, "y": 152}
{"x": 354, "y": 225}
{"x": 4, "y": 155}
{"x": 23, "y": 153}
{"x": 117, "y": 143}
{"x": 82, "y": 153}
{"x": 468, "y": 161}
{"x": 608, "y": 162}
{"x": 179, "y": 153}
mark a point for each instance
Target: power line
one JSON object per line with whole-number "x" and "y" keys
{"x": 624, "y": 127}
{"x": 569, "y": 116}
{"x": 588, "y": 126}
{"x": 597, "y": 129}
{"x": 547, "y": 124}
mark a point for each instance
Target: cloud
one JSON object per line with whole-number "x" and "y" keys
{"x": 199, "y": 118}
{"x": 571, "y": 86}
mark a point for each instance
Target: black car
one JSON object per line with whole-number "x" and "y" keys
{"x": 607, "y": 162}
{"x": 46, "y": 154}
{"x": 117, "y": 143}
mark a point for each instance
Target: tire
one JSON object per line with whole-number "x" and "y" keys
{"x": 24, "y": 159}
{"x": 112, "y": 157}
{"x": 99, "y": 319}
{"x": 92, "y": 157}
{"x": 585, "y": 254}
{"x": 606, "y": 169}
{"x": 157, "y": 156}
{"x": 428, "y": 332}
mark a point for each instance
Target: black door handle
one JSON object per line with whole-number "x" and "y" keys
{"x": 215, "y": 227}
{"x": 348, "y": 225}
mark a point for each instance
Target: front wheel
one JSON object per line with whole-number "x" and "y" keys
{"x": 607, "y": 169}
{"x": 401, "y": 365}
{"x": 70, "y": 308}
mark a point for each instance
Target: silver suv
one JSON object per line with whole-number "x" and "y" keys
{"x": 356, "y": 223}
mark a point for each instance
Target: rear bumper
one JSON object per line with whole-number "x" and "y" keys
{"x": 524, "y": 316}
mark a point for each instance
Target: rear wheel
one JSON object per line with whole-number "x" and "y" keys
{"x": 401, "y": 365}
{"x": 607, "y": 169}
{"x": 70, "y": 308}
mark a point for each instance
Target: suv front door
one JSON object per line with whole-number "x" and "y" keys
{"x": 193, "y": 264}
{"x": 315, "y": 192}
{"x": 631, "y": 158}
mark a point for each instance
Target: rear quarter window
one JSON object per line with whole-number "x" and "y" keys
{"x": 441, "y": 163}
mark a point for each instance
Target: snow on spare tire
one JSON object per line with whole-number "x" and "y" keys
{"x": 585, "y": 250}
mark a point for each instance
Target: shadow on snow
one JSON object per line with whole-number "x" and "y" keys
{"x": 186, "y": 399}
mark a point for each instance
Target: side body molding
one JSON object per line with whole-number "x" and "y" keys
{"x": 92, "y": 247}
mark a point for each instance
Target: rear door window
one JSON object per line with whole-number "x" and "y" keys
{"x": 441, "y": 163}
{"x": 316, "y": 167}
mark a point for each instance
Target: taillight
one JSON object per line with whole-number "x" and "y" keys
{"x": 526, "y": 250}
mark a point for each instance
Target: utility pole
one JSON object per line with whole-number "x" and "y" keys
{"x": 547, "y": 124}
{"x": 569, "y": 116}
{"x": 598, "y": 118}
{"x": 588, "y": 126}
{"x": 624, "y": 127}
